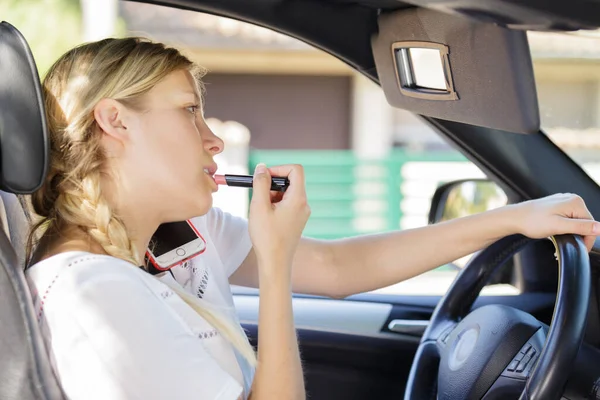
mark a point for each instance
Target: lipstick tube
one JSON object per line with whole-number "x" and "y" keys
{"x": 277, "y": 184}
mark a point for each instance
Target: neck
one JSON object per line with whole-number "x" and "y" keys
{"x": 140, "y": 231}
{"x": 130, "y": 203}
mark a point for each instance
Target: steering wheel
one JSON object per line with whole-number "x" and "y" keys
{"x": 499, "y": 352}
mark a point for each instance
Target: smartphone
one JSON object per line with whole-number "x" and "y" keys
{"x": 173, "y": 243}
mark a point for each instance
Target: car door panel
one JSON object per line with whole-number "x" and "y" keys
{"x": 348, "y": 349}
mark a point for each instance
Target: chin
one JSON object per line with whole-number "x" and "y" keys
{"x": 204, "y": 206}
{"x": 196, "y": 206}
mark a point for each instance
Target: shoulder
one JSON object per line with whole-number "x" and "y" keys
{"x": 69, "y": 274}
{"x": 91, "y": 291}
{"x": 81, "y": 267}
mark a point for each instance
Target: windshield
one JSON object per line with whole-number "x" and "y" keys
{"x": 567, "y": 73}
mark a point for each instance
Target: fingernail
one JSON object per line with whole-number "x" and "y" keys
{"x": 260, "y": 168}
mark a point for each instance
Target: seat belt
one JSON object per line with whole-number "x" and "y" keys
{"x": 25, "y": 206}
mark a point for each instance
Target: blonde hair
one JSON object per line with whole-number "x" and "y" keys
{"x": 71, "y": 196}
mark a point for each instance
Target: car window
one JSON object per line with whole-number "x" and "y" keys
{"x": 370, "y": 168}
{"x": 567, "y": 74}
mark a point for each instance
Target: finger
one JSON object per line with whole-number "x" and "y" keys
{"x": 583, "y": 227}
{"x": 261, "y": 186}
{"x": 297, "y": 188}
{"x": 276, "y": 197}
{"x": 295, "y": 174}
{"x": 281, "y": 170}
{"x": 589, "y": 241}
{"x": 578, "y": 208}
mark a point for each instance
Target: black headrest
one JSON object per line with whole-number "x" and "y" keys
{"x": 23, "y": 132}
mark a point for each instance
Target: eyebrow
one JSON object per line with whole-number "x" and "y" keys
{"x": 190, "y": 94}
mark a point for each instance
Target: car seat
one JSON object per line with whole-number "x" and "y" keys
{"x": 25, "y": 369}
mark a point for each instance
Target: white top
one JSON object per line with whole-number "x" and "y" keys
{"x": 114, "y": 331}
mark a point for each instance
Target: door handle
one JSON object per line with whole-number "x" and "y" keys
{"x": 408, "y": 326}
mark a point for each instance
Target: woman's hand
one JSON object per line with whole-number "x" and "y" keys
{"x": 277, "y": 220}
{"x": 554, "y": 215}
{"x": 276, "y": 223}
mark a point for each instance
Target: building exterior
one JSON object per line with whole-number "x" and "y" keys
{"x": 256, "y": 76}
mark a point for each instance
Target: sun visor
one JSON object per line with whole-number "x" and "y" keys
{"x": 449, "y": 67}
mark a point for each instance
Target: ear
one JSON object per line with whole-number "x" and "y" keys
{"x": 111, "y": 117}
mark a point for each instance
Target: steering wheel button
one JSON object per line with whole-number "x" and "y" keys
{"x": 532, "y": 352}
{"x": 523, "y": 364}
{"x": 512, "y": 366}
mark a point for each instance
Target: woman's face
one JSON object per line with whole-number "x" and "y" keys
{"x": 168, "y": 155}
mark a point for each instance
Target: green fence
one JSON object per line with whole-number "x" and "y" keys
{"x": 347, "y": 195}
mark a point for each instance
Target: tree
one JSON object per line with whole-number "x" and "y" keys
{"x": 51, "y": 27}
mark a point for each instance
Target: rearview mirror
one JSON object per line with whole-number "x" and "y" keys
{"x": 466, "y": 197}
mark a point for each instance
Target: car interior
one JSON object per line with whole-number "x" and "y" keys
{"x": 542, "y": 343}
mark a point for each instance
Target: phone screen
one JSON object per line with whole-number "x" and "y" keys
{"x": 170, "y": 236}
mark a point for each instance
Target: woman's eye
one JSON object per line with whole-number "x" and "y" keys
{"x": 193, "y": 109}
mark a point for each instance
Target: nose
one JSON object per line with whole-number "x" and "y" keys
{"x": 212, "y": 143}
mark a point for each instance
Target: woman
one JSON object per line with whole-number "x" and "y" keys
{"x": 130, "y": 150}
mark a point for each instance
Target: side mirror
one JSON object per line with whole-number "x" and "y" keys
{"x": 465, "y": 197}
